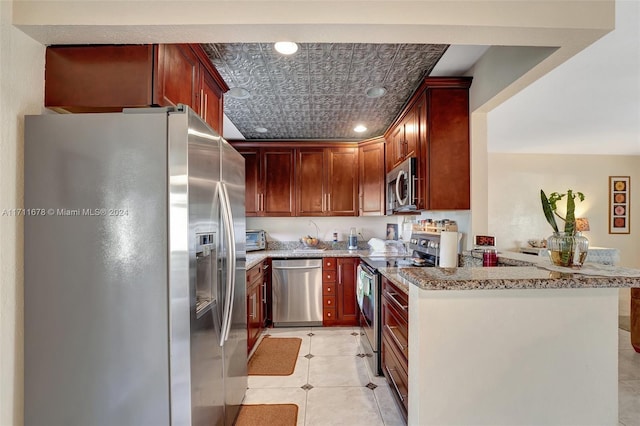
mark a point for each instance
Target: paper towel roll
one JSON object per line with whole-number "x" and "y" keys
{"x": 448, "y": 249}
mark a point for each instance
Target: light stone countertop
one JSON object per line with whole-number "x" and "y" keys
{"x": 516, "y": 277}
{"x": 255, "y": 257}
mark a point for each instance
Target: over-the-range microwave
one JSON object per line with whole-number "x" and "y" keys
{"x": 256, "y": 240}
{"x": 401, "y": 187}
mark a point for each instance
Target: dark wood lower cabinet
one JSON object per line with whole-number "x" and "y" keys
{"x": 339, "y": 304}
{"x": 635, "y": 319}
{"x": 395, "y": 342}
{"x": 255, "y": 307}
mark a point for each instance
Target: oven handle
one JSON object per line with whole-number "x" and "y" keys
{"x": 393, "y": 298}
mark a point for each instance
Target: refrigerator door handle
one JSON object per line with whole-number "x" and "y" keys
{"x": 228, "y": 297}
{"x": 231, "y": 263}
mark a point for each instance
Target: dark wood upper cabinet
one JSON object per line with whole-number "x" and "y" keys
{"x": 434, "y": 128}
{"x": 108, "y": 78}
{"x": 269, "y": 181}
{"x": 177, "y": 70}
{"x": 372, "y": 178}
{"x": 327, "y": 182}
{"x": 446, "y": 148}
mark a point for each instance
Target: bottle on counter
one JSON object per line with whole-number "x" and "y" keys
{"x": 353, "y": 239}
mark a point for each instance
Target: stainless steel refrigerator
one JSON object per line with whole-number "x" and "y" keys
{"x": 135, "y": 305}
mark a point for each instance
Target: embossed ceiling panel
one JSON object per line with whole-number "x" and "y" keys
{"x": 319, "y": 92}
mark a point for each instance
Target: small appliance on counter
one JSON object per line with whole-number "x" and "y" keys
{"x": 256, "y": 240}
{"x": 353, "y": 239}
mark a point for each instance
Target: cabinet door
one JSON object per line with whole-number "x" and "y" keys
{"x": 98, "y": 78}
{"x": 395, "y": 151}
{"x": 372, "y": 179}
{"x": 277, "y": 180}
{"x": 178, "y": 69}
{"x": 210, "y": 101}
{"x": 448, "y": 144}
{"x": 252, "y": 180}
{"x": 411, "y": 126}
{"x": 347, "y": 311}
{"x": 342, "y": 182}
{"x": 310, "y": 184}
{"x": 635, "y": 319}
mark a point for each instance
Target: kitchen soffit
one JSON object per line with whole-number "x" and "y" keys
{"x": 320, "y": 91}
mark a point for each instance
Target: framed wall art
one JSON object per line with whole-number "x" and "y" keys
{"x": 619, "y": 203}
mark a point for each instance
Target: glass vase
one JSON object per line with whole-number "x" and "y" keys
{"x": 568, "y": 250}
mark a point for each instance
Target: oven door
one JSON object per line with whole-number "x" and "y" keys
{"x": 368, "y": 299}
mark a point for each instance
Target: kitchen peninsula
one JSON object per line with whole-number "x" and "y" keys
{"x": 511, "y": 345}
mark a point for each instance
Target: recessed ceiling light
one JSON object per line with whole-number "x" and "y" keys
{"x": 359, "y": 128}
{"x": 286, "y": 47}
{"x": 375, "y": 92}
{"x": 238, "y": 93}
{"x": 261, "y": 129}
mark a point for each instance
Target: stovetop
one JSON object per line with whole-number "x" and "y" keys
{"x": 394, "y": 262}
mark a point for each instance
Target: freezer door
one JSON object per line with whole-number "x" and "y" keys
{"x": 197, "y": 231}
{"x": 235, "y": 346}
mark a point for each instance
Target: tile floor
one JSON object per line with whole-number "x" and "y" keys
{"x": 334, "y": 387}
{"x": 628, "y": 381}
{"x": 331, "y": 387}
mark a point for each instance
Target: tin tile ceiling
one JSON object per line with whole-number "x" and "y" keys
{"x": 319, "y": 92}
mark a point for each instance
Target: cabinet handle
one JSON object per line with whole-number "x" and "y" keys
{"x": 339, "y": 274}
{"x": 328, "y": 289}
{"x": 264, "y": 292}
{"x": 328, "y": 201}
{"x": 328, "y": 314}
{"x": 389, "y": 370}
{"x": 392, "y": 297}
{"x": 201, "y": 102}
{"x": 390, "y": 329}
{"x": 328, "y": 302}
{"x": 261, "y": 202}
{"x": 253, "y": 302}
{"x": 205, "y": 107}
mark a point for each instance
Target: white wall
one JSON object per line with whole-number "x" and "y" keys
{"x": 21, "y": 92}
{"x": 515, "y": 212}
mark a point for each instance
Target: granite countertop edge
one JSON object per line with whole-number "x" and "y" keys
{"x": 254, "y": 258}
{"x": 501, "y": 278}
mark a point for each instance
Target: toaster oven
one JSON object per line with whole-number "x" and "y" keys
{"x": 256, "y": 240}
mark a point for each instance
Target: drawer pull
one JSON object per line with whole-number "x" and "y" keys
{"x": 390, "y": 329}
{"x": 390, "y": 370}
{"x": 392, "y": 296}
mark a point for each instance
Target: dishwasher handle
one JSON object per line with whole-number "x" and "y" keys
{"x": 297, "y": 267}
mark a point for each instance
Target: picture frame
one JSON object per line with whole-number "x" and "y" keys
{"x": 619, "y": 204}
{"x": 392, "y": 231}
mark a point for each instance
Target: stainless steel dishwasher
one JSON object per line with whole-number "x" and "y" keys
{"x": 297, "y": 292}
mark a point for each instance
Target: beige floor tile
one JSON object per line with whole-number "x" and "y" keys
{"x": 342, "y": 406}
{"x": 628, "y": 365}
{"x": 388, "y": 407}
{"x": 629, "y": 402}
{"x": 624, "y": 341}
{"x": 279, "y": 396}
{"x": 337, "y": 371}
{"x": 297, "y": 379}
{"x": 330, "y": 345}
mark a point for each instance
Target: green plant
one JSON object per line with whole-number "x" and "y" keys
{"x": 550, "y": 205}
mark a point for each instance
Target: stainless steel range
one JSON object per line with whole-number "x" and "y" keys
{"x": 425, "y": 248}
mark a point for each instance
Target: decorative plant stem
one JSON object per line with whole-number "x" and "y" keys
{"x": 562, "y": 245}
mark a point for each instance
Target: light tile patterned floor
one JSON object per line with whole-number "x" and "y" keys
{"x": 330, "y": 388}
{"x": 338, "y": 379}
{"x": 628, "y": 381}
